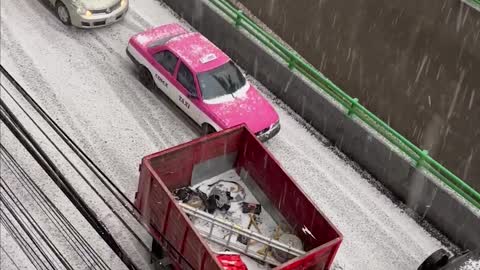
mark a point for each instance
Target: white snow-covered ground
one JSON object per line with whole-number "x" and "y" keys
{"x": 471, "y": 265}
{"x": 70, "y": 247}
{"x": 85, "y": 81}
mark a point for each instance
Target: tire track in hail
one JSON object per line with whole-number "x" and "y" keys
{"x": 356, "y": 189}
{"x": 128, "y": 66}
{"x": 55, "y": 109}
{"x": 173, "y": 110}
{"x": 339, "y": 208}
{"x": 28, "y": 72}
{"x": 114, "y": 80}
{"x": 97, "y": 59}
{"x": 34, "y": 73}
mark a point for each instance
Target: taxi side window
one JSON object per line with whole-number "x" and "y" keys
{"x": 185, "y": 77}
{"x": 167, "y": 60}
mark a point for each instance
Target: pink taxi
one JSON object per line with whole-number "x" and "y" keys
{"x": 200, "y": 79}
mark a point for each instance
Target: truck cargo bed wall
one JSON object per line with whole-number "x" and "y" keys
{"x": 429, "y": 198}
{"x": 212, "y": 167}
{"x": 178, "y": 163}
{"x": 171, "y": 230}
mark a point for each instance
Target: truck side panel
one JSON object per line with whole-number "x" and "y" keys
{"x": 171, "y": 228}
{"x": 193, "y": 245}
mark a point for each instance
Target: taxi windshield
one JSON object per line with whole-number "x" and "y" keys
{"x": 223, "y": 80}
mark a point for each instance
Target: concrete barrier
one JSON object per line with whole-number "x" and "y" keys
{"x": 429, "y": 198}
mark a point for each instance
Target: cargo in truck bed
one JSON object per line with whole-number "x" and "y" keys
{"x": 257, "y": 218}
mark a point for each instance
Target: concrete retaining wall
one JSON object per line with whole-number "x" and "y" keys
{"x": 446, "y": 212}
{"x": 404, "y": 60}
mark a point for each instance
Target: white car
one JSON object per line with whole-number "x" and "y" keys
{"x": 90, "y": 13}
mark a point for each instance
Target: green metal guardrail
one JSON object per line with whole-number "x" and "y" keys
{"x": 473, "y": 3}
{"x": 477, "y": 2}
{"x": 352, "y": 105}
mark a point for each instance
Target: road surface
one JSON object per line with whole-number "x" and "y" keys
{"x": 85, "y": 81}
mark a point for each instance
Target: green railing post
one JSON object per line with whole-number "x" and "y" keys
{"x": 292, "y": 60}
{"x": 351, "y": 110}
{"x": 422, "y": 157}
{"x": 238, "y": 19}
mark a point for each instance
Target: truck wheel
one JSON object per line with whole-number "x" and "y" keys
{"x": 158, "y": 256}
{"x": 62, "y": 13}
{"x": 146, "y": 78}
{"x": 438, "y": 259}
{"x": 207, "y": 129}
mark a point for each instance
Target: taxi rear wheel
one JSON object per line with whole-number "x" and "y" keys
{"x": 146, "y": 78}
{"x": 159, "y": 258}
{"x": 62, "y": 13}
{"x": 207, "y": 129}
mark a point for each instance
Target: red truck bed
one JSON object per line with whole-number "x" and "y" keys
{"x": 237, "y": 148}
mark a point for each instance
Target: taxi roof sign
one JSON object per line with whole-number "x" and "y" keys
{"x": 207, "y": 58}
